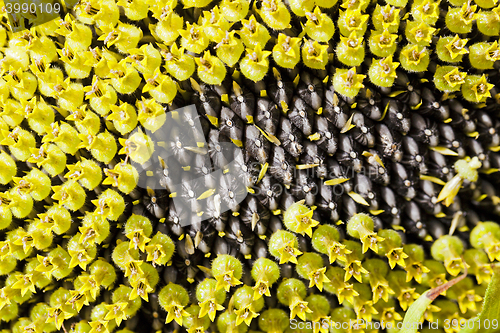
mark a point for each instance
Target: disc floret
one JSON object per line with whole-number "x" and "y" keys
{"x": 292, "y": 293}
{"x": 283, "y": 245}
{"x": 414, "y": 266}
{"x": 310, "y": 267}
{"x": 326, "y": 240}
{"x": 210, "y": 299}
{"x": 392, "y": 248}
{"x": 265, "y": 272}
{"x": 227, "y": 270}
{"x": 449, "y": 249}
{"x": 486, "y": 236}
{"x": 298, "y": 218}
{"x": 361, "y": 226}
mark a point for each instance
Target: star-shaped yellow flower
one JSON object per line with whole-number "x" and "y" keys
{"x": 210, "y": 307}
{"x": 70, "y": 194}
{"x": 437, "y": 281}
{"x": 286, "y": 44}
{"x": 88, "y": 234}
{"x": 388, "y": 15}
{"x": 415, "y": 270}
{"x": 305, "y": 223}
{"x": 396, "y": 256}
{"x": 175, "y": 311}
{"x": 467, "y": 13}
{"x": 121, "y": 113}
{"x": 347, "y": 293}
{"x": 385, "y": 40}
{"x": 317, "y": 278}
{"x": 28, "y": 108}
{"x": 25, "y": 240}
{"x": 315, "y": 51}
{"x": 226, "y": 280}
{"x": 406, "y": 297}
{"x": 225, "y": 38}
{"x": 316, "y": 18}
{"x": 59, "y": 87}
{"x": 354, "y": 268}
{"x": 99, "y": 326}
{"x": 57, "y": 315}
{"x": 353, "y": 42}
{"x": 25, "y": 283}
{"x": 15, "y": 77}
{"x": 155, "y": 254}
{"x": 364, "y": 309}
{"x": 381, "y": 290}
{"x": 390, "y": 315}
{"x": 456, "y": 46}
{"x": 483, "y": 273}
{"x": 137, "y": 240}
{"x": 39, "y": 66}
{"x": 110, "y": 35}
{"x": 413, "y": 55}
{"x": 261, "y": 288}
{"x": 354, "y": 19}
{"x": 429, "y": 313}
{"x": 353, "y": 80}
{"x": 298, "y": 308}
{"x": 107, "y": 206}
{"x": 245, "y": 314}
{"x": 143, "y": 60}
{"x": 77, "y": 300}
{"x": 493, "y": 250}
{"x": 454, "y": 266}
{"x": 423, "y": 32}
{"x": 89, "y": 285}
{"x": 289, "y": 253}
{"x": 116, "y": 311}
{"x": 428, "y": 9}
{"x": 194, "y": 38}
{"x": 468, "y": 301}
{"x": 121, "y": 71}
{"x": 455, "y": 77}
{"x": 133, "y": 268}
{"x": 96, "y": 89}
{"x": 214, "y": 19}
{"x": 79, "y": 257}
{"x": 75, "y": 172}
{"x": 150, "y": 114}
{"x": 258, "y": 56}
{"x": 71, "y": 57}
{"x": 493, "y": 52}
{"x": 338, "y": 251}
{"x": 482, "y": 89}
{"x": 206, "y": 62}
{"x": 141, "y": 288}
{"x": 155, "y": 80}
{"x": 45, "y": 266}
{"x": 389, "y": 67}
{"x": 370, "y": 241}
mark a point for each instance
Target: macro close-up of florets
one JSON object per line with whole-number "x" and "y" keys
{"x": 261, "y": 166}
